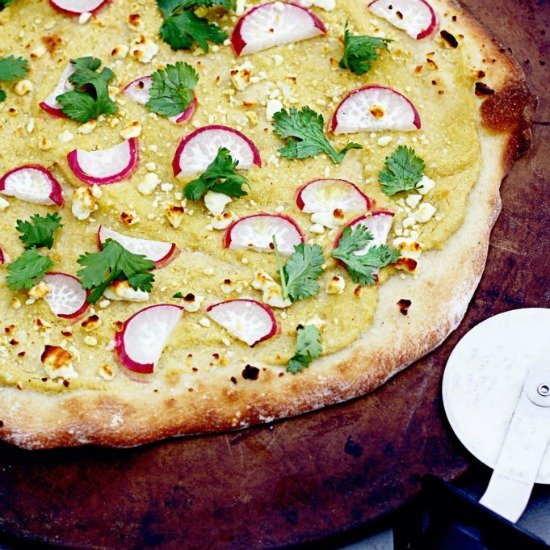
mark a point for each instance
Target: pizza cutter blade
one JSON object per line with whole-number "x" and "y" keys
{"x": 496, "y": 393}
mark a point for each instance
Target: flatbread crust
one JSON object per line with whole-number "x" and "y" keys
{"x": 440, "y": 295}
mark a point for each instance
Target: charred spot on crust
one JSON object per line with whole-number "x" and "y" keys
{"x": 482, "y": 89}
{"x": 251, "y": 373}
{"x": 233, "y": 379}
{"x": 404, "y": 306}
{"x": 189, "y": 297}
{"x": 511, "y": 110}
{"x": 449, "y": 38}
{"x": 1, "y": 423}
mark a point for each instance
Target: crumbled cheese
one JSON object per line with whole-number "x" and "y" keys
{"x": 408, "y": 247}
{"x": 316, "y": 322}
{"x": 133, "y": 130}
{"x": 410, "y": 221}
{"x": 216, "y": 202}
{"x": 96, "y": 191}
{"x": 413, "y": 200}
{"x": 41, "y": 290}
{"x": 332, "y": 220}
{"x": 223, "y": 221}
{"x": 143, "y": 49}
{"x": 239, "y": 10}
{"x": 167, "y": 187}
{"x": 90, "y": 341}
{"x": 174, "y": 213}
{"x": 425, "y": 185}
{"x": 91, "y": 323}
{"x": 192, "y": 303}
{"x": 384, "y": 140}
{"x": 23, "y": 87}
{"x": 30, "y": 126}
{"x": 336, "y": 285}
{"x": 317, "y": 228}
{"x": 120, "y": 51}
{"x": 273, "y": 106}
{"x": 58, "y": 363}
{"x": 104, "y": 304}
{"x": 425, "y": 212}
{"x": 204, "y": 322}
{"x": 106, "y": 372}
{"x": 151, "y": 166}
{"x": 65, "y": 137}
{"x": 84, "y": 203}
{"x": 150, "y": 183}
{"x": 135, "y": 22}
{"x": 87, "y": 127}
{"x": 3, "y": 203}
{"x": 122, "y": 291}
{"x": 278, "y": 60}
{"x": 241, "y": 75}
{"x": 272, "y": 291}
{"x": 84, "y": 18}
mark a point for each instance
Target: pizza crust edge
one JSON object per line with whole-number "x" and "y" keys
{"x": 440, "y": 296}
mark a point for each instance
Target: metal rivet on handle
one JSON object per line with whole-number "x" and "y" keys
{"x": 543, "y": 390}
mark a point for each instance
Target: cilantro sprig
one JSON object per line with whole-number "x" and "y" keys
{"x": 308, "y": 348}
{"x": 305, "y": 131}
{"x": 300, "y": 273}
{"x": 27, "y": 270}
{"x": 403, "y": 171}
{"x": 360, "y": 51}
{"x": 182, "y": 27}
{"x": 220, "y": 176}
{"x": 90, "y": 98}
{"x": 39, "y": 231}
{"x": 172, "y": 89}
{"x": 11, "y": 68}
{"x": 114, "y": 263}
{"x": 363, "y": 267}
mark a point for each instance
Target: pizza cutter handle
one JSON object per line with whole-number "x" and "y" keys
{"x": 522, "y": 452}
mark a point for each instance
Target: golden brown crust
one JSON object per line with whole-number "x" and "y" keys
{"x": 438, "y": 297}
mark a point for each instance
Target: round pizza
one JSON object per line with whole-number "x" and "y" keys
{"x": 218, "y": 213}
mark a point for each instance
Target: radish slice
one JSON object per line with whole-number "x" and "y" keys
{"x": 378, "y": 223}
{"x": 66, "y": 298}
{"x": 107, "y": 165}
{"x": 257, "y": 232}
{"x": 2, "y": 257}
{"x": 327, "y": 195}
{"x": 50, "y": 104}
{"x": 416, "y": 17}
{"x": 77, "y": 7}
{"x": 274, "y": 24}
{"x": 139, "y": 89}
{"x": 32, "y": 183}
{"x": 375, "y": 108}
{"x": 159, "y": 252}
{"x": 140, "y": 343}
{"x": 247, "y": 320}
{"x": 197, "y": 151}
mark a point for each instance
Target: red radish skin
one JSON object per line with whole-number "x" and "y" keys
{"x": 408, "y": 9}
{"x": 2, "y": 257}
{"x": 211, "y": 139}
{"x": 248, "y": 309}
{"x": 50, "y": 193}
{"x": 50, "y": 105}
{"x": 159, "y": 252}
{"x": 239, "y": 43}
{"x": 285, "y": 249}
{"x": 413, "y": 124}
{"x": 82, "y": 163}
{"x": 77, "y": 7}
{"x": 138, "y": 91}
{"x": 353, "y": 190}
{"x": 145, "y": 334}
{"x": 67, "y": 299}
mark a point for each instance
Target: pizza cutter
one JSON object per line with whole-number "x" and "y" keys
{"x": 496, "y": 393}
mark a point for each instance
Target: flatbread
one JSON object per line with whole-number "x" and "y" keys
{"x": 179, "y": 400}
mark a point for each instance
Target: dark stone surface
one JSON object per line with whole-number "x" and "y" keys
{"x": 325, "y": 472}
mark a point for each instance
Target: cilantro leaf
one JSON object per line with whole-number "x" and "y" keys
{"x": 39, "y": 231}
{"x": 170, "y": 7}
{"x": 2, "y": 96}
{"x": 403, "y": 171}
{"x": 12, "y": 68}
{"x": 27, "y": 270}
{"x": 114, "y": 262}
{"x": 172, "y": 89}
{"x": 300, "y": 273}
{"x": 220, "y": 177}
{"x": 361, "y": 51}
{"x": 183, "y": 30}
{"x": 4, "y": 3}
{"x": 90, "y": 98}
{"x": 363, "y": 267}
{"x": 308, "y": 348}
{"x": 306, "y": 130}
